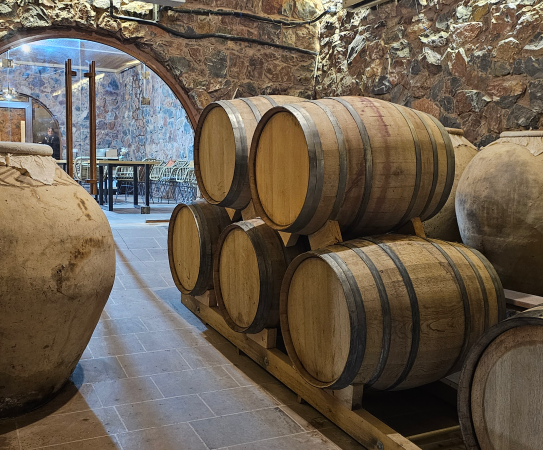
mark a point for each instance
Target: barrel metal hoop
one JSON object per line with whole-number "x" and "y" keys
{"x": 465, "y": 303}
{"x": 357, "y": 319}
{"x": 385, "y": 311}
{"x": 435, "y": 154}
{"x": 206, "y": 251}
{"x": 270, "y": 99}
{"x": 449, "y": 180}
{"x": 415, "y": 313}
{"x": 253, "y": 107}
{"x": 418, "y": 174}
{"x": 368, "y": 162}
{"x": 342, "y": 149}
{"x": 265, "y": 272}
{"x": 316, "y": 168}
{"x": 481, "y": 284}
{"x": 500, "y": 294}
{"x": 241, "y": 168}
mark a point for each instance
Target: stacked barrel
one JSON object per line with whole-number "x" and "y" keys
{"x": 385, "y": 310}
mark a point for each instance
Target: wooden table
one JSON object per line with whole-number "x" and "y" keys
{"x": 110, "y": 165}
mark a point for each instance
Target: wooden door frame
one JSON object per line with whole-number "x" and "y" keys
{"x": 27, "y": 106}
{"x": 28, "y": 36}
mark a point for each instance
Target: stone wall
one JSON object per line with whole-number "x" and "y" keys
{"x": 207, "y": 70}
{"x": 473, "y": 64}
{"x": 161, "y": 130}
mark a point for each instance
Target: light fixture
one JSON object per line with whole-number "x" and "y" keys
{"x": 9, "y": 93}
{"x": 26, "y": 48}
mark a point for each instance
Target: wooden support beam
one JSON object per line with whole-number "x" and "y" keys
{"x": 329, "y": 234}
{"x": 414, "y": 228}
{"x": 289, "y": 239}
{"x": 234, "y": 214}
{"x": 91, "y": 75}
{"x": 360, "y": 424}
{"x": 68, "y": 74}
{"x": 267, "y": 338}
{"x": 522, "y": 300}
{"x": 350, "y": 397}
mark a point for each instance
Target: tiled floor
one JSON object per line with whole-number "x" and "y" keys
{"x": 154, "y": 377}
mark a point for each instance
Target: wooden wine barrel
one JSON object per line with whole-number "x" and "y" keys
{"x": 368, "y": 164}
{"x": 192, "y": 241}
{"x": 248, "y": 269}
{"x": 391, "y": 312}
{"x": 221, "y": 147}
{"x": 444, "y": 224}
{"x": 499, "y": 208}
{"x": 499, "y": 402}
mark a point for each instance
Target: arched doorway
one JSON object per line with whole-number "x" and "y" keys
{"x": 159, "y": 128}
{"x": 29, "y": 36}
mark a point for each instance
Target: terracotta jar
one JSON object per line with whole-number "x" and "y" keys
{"x": 444, "y": 224}
{"x": 57, "y": 268}
{"x": 500, "y": 209}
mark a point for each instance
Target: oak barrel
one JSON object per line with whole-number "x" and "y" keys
{"x": 391, "y": 312}
{"x": 499, "y": 401}
{"x": 444, "y": 224}
{"x": 192, "y": 240}
{"x": 221, "y": 147}
{"x": 499, "y": 208}
{"x": 249, "y": 266}
{"x": 370, "y": 165}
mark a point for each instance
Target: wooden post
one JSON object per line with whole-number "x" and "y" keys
{"x": 68, "y": 74}
{"x": 91, "y": 75}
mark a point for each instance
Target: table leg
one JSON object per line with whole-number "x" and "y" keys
{"x": 147, "y": 184}
{"x": 110, "y": 186}
{"x": 135, "y": 189}
{"x": 101, "y": 184}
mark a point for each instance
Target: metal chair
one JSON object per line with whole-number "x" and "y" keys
{"x": 124, "y": 176}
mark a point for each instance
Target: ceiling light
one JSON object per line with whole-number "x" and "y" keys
{"x": 26, "y": 48}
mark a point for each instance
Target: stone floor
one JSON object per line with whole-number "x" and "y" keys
{"x": 153, "y": 377}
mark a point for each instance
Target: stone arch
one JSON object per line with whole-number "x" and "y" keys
{"x": 28, "y": 36}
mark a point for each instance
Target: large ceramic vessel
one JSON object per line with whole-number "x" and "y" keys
{"x": 57, "y": 267}
{"x": 444, "y": 224}
{"x": 500, "y": 209}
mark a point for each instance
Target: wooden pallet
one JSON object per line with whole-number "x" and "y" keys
{"x": 367, "y": 429}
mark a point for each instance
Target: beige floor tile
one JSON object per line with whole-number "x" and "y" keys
{"x": 231, "y": 401}
{"x": 142, "y": 281}
{"x": 306, "y": 416}
{"x": 341, "y": 439}
{"x": 101, "y": 443}
{"x": 63, "y": 428}
{"x": 250, "y": 373}
{"x": 133, "y": 295}
{"x": 115, "y": 327}
{"x": 166, "y": 411}
{"x": 138, "y": 309}
{"x": 123, "y": 344}
{"x": 303, "y": 441}
{"x": 172, "y": 437}
{"x": 165, "y": 322}
{"x": 151, "y": 363}
{"x": 163, "y": 340}
{"x": 128, "y": 390}
{"x": 194, "y": 381}
{"x": 282, "y": 394}
{"x": 245, "y": 427}
{"x": 87, "y": 354}
{"x": 204, "y": 356}
{"x": 98, "y": 369}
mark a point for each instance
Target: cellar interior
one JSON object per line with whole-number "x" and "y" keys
{"x": 271, "y": 224}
